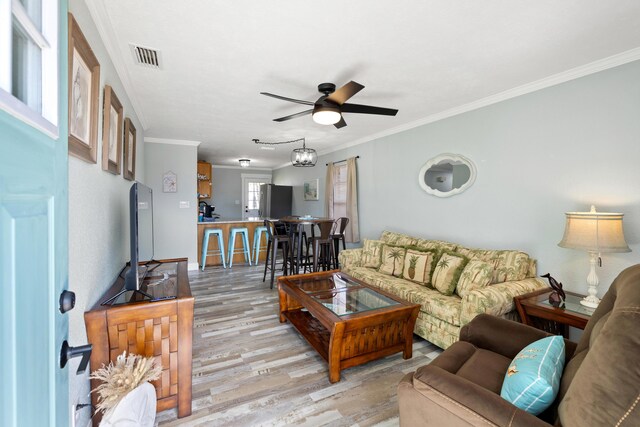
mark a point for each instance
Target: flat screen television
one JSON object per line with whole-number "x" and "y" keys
{"x": 141, "y": 243}
{"x": 141, "y": 234}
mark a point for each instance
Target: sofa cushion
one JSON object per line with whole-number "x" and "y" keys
{"x": 392, "y": 260}
{"x": 397, "y": 239}
{"x": 372, "y": 253}
{"x": 418, "y": 266}
{"x": 476, "y": 274}
{"x": 447, "y": 272}
{"x": 482, "y": 367}
{"x": 508, "y": 265}
{"x": 533, "y": 378}
{"x": 438, "y": 245}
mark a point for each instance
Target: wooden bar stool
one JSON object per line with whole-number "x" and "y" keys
{"x": 257, "y": 239}
{"x": 205, "y": 246}
{"x": 274, "y": 242}
{"x": 244, "y": 232}
{"x": 323, "y": 254}
{"x": 337, "y": 234}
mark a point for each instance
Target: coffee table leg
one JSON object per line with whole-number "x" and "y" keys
{"x": 408, "y": 334}
{"x": 283, "y": 303}
{"x": 335, "y": 348}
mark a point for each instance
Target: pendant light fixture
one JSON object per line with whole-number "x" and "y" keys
{"x": 300, "y": 157}
{"x": 304, "y": 157}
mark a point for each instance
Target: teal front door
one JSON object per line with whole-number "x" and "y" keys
{"x": 33, "y": 264}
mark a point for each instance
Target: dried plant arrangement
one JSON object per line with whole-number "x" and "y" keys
{"x": 119, "y": 379}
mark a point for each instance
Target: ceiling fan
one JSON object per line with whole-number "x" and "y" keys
{"x": 328, "y": 109}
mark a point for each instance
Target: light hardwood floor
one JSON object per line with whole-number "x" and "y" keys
{"x": 251, "y": 370}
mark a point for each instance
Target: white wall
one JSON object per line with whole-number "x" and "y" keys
{"x": 175, "y": 229}
{"x": 227, "y": 188}
{"x": 98, "y": 215}
{"x": 539, "y": 155}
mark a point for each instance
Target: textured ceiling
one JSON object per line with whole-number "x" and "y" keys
{"x": 422, "y": 57}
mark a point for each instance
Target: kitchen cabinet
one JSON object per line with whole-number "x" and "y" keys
{"x": 204, "y": 180}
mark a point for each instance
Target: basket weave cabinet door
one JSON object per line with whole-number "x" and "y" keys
{"x": 160, "y": 329}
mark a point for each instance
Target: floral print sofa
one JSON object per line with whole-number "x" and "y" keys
{"x": 452, "y": 283}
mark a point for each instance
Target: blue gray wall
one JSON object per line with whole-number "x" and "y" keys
{"x": 537, "y": 156}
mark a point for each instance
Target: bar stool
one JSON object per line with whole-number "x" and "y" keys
{"x": 323, "y": 254}
{"x": 244, "y": 232}
{"x": 205, "y": 246}
{"x": 257, "y": 238}
{"x": 337, "y": 234}
{"x": 274, "y": 242}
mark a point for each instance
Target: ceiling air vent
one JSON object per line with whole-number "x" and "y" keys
{"x": 145, "y": 56}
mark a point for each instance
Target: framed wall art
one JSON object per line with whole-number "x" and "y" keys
{"x": 311, "y": 190}
{"x": 129, "y": 150}
{"x": 111, "y": 132}
{"x": 169, "y": 182}
{"x": 84, "y": 91}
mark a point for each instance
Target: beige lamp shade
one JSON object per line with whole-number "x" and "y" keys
{"x": 594, "y": 232}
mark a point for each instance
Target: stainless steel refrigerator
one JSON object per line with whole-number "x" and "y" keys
{"x": 275, "y": 200}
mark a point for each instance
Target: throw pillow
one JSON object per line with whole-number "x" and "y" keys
{"x": 371, "y": 253}
{"x": 392, "y": 260}
{"x": 476, "y": 274}
{"x": 533, "y": 377}
{"x": 418, "y": 266}
{"x": 447, "y": 272}
{"x": 509, "y": 266}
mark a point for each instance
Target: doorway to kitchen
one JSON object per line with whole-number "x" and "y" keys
{"x": 251, "y": 193}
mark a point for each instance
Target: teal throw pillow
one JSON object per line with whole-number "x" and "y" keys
{"x": 533, "y": 378}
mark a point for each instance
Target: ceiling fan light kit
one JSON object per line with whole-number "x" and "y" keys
{"x": 326, "y": 115}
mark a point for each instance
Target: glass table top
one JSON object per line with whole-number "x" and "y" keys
{"x": 350, "y": 301}
{"x": 571, "y": 303}
{"x": 333, "y": 283}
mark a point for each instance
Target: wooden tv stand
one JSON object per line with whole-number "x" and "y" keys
{"x": 163, "y": 329}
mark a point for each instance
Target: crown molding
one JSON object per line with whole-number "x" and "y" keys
{"x": 250, "y": 168}
{"x": 104, "y": 26}
{"x": 556, "y": 79}
{"x": 172, "y": 141}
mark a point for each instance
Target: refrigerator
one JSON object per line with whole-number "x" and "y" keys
{"x": 275, "y": 201}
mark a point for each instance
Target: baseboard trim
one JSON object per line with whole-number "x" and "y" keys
{"x": 192, "y": 266}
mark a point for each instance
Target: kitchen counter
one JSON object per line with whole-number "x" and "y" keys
{"x": 231, "y": 220}
{"x": 225, "y": 224}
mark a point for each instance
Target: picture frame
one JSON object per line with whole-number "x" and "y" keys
{"x": 311, "y": 189}
{"x": 112, "y": 132}
{"x": 169, "y": 182}
{"x": 83, "y": 94}
{"x": 129, "y": 150}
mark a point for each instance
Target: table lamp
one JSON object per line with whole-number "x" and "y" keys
{"x": 594, "y": 232}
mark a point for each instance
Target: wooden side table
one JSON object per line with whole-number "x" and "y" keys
{"x": 535, "y": 310}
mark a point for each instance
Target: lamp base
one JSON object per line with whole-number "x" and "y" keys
{"x": 590, "y": 301}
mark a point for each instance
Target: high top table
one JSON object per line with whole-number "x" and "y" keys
{"x": 295, "y": 232}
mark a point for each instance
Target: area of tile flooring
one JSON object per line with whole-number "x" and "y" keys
{"x": 251, "y": 370}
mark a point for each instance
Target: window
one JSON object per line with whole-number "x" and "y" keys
{"x": 253, "y": 195}
{"x": 339, "y": 190}
{"x": 29, "y": 62}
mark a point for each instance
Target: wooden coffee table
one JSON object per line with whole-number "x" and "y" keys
{"x": 347, "y": 321}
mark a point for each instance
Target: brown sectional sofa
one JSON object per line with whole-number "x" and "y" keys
{"x": 600, "y": 384}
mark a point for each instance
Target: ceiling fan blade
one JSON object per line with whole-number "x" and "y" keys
{"x": 368, "y": 109}
{"x": 293, "y": 116}
{"x": 341, "y": 123}
{"x": 284, "y": 98}
{"x": 341, "y": 95}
